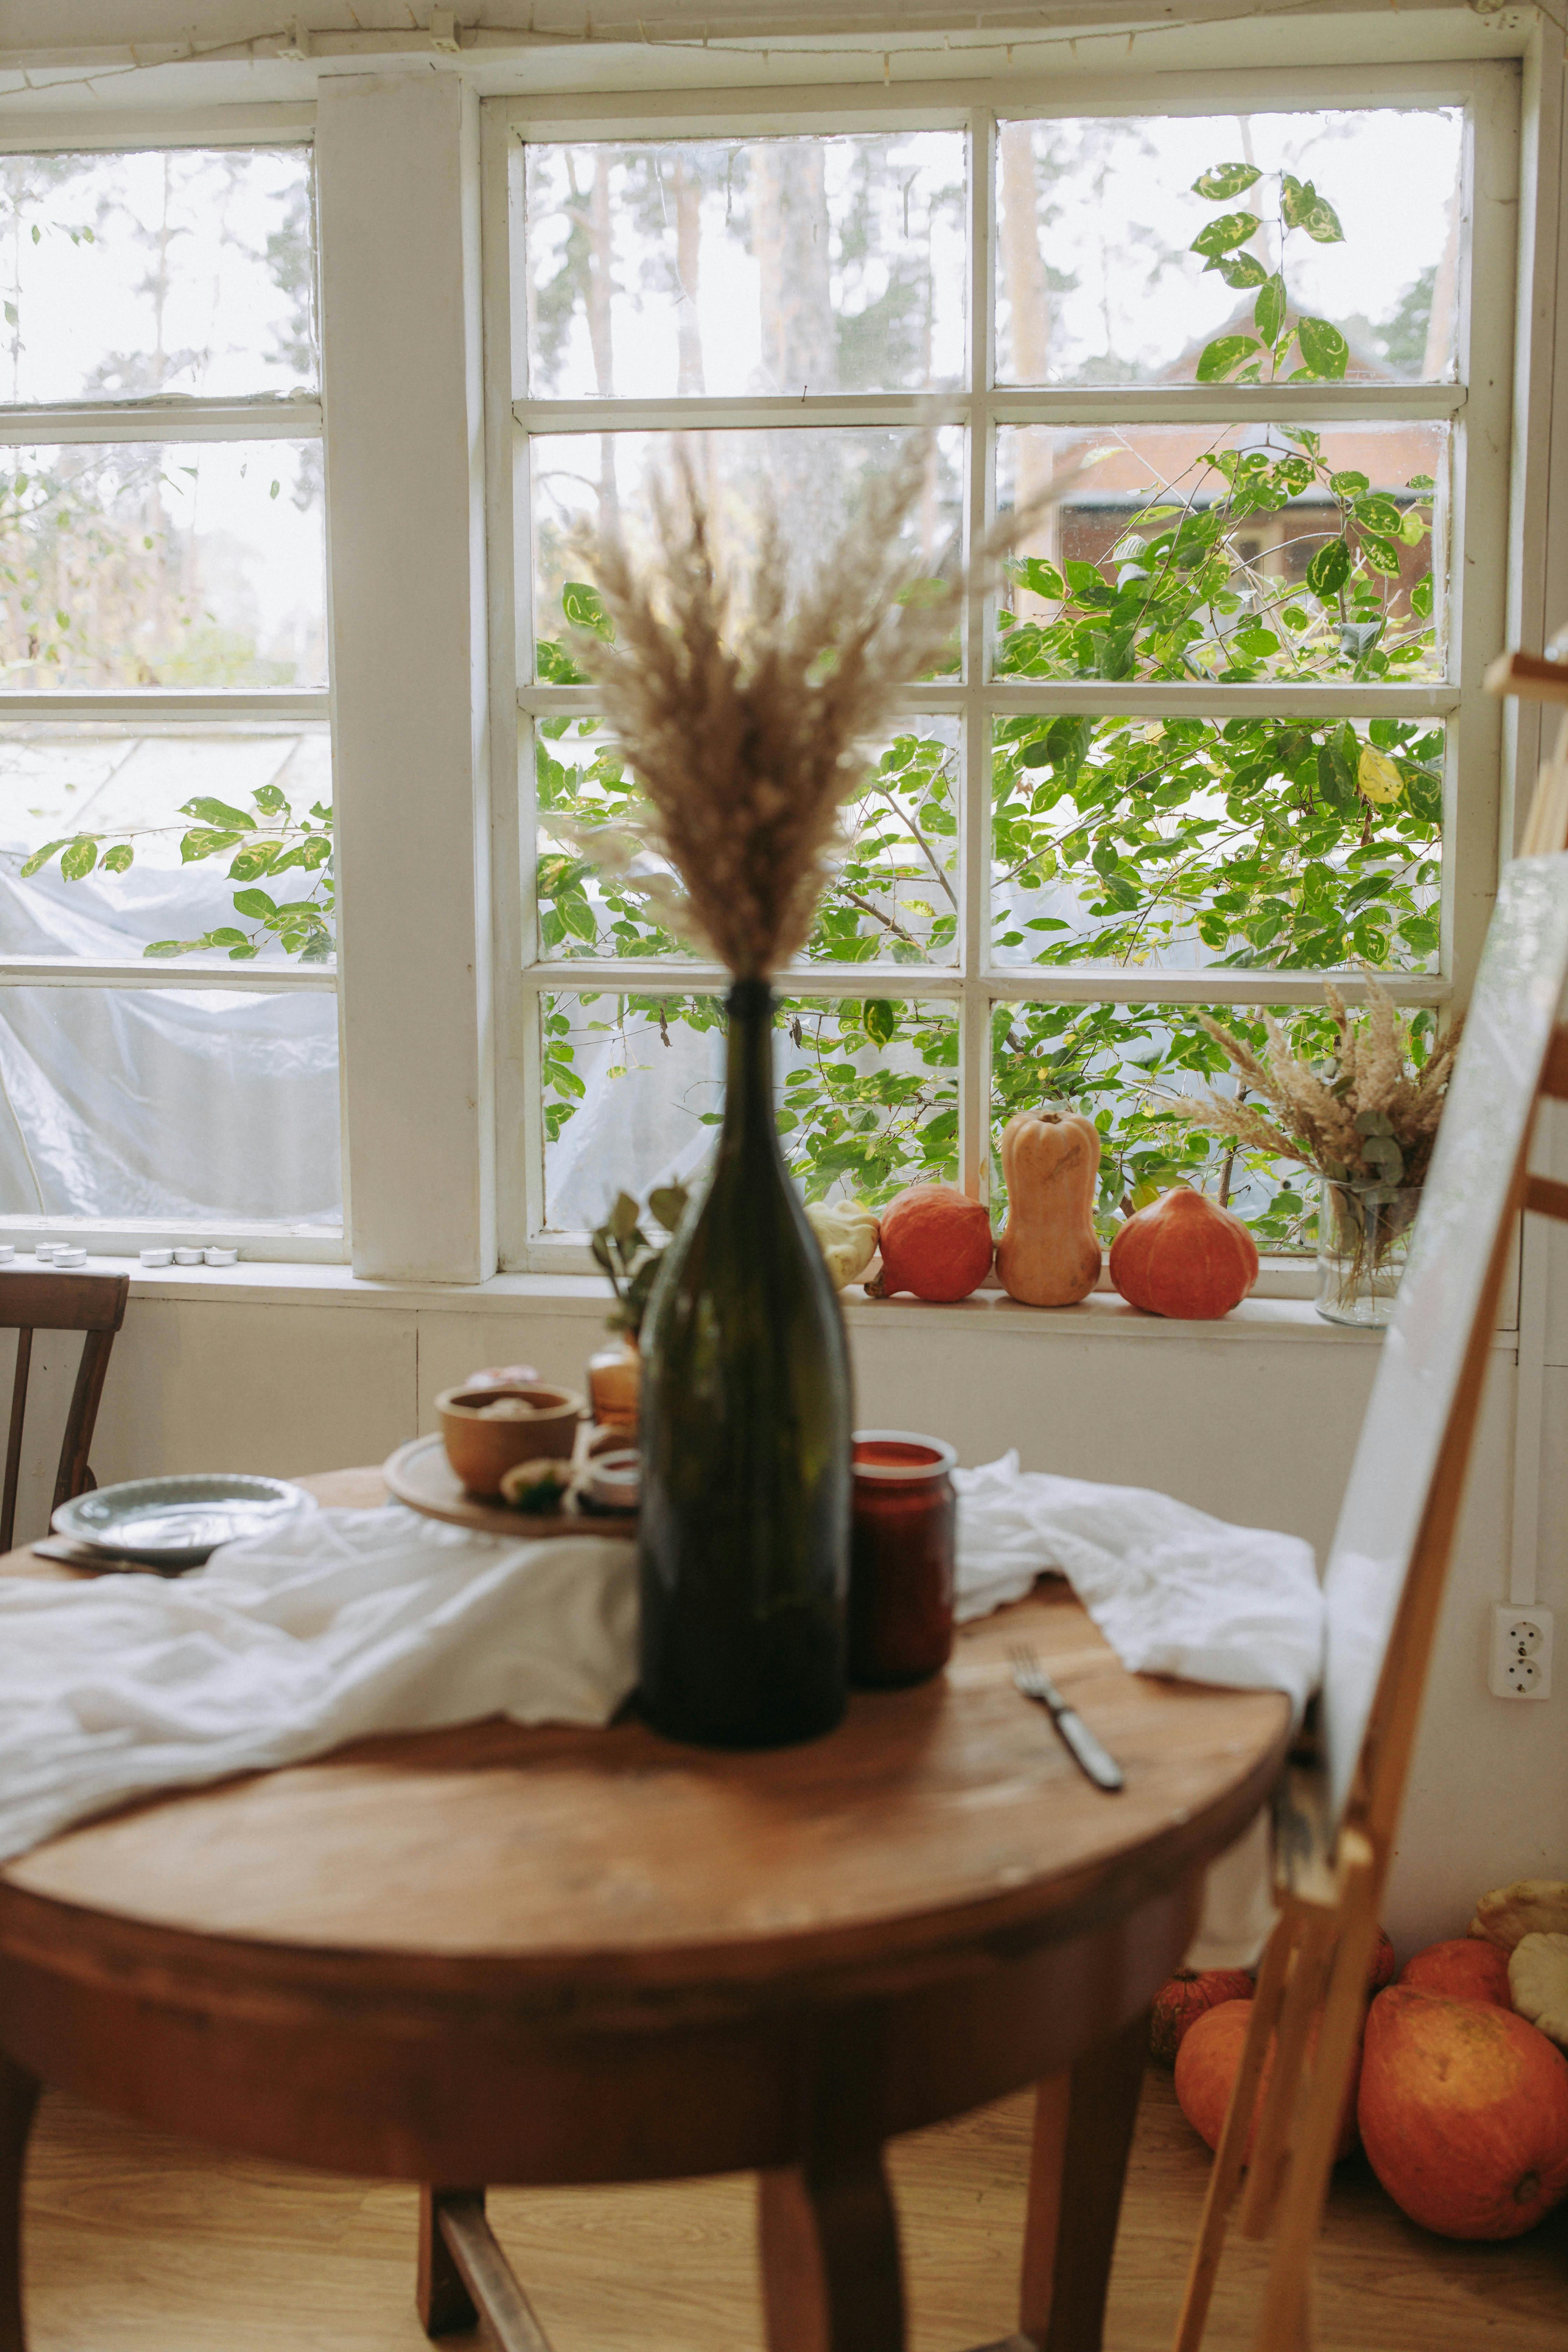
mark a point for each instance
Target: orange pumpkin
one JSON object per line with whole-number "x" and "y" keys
{"x": 1183, "y": 1257}
{"x": 1190, "y": 1994}
{"x": 936, "y": 1242}
{"x": 1464, "y": 2114}
{"x": 1206, "y": 2066}
{"x": 1463, "y": 1968}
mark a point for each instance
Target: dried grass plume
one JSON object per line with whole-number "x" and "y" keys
{"x": 741, "y": 703}
{"x": 1368, "y": 1120}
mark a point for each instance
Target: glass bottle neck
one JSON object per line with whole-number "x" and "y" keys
{"x": 749, "y": 1069}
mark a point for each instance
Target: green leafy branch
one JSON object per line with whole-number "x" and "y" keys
{"x": 1320, "y": 347}
{"x": 266, "y": 839}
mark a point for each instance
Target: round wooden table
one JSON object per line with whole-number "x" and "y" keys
{"x": 504, "y": 1956}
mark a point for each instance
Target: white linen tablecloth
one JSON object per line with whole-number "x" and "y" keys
{"x": 338, "y": 1623}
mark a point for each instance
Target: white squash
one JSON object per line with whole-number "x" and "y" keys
{"x": 1531, "y": 1906}
{"x": 848, "y": 1233}
{"x": 1538, "y": 1982}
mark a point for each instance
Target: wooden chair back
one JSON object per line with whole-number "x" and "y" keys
{"x": 93, "y": 1303}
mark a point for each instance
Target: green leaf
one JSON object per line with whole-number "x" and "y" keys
{"x": 1323, "y": 347}
{"x": 254, "y": 861}
{"x": 1323, "y": 225}
{"x": 622, "y": 1217}
{"x": 200, "y": 842}
{"x": 667, "y": 1204}
{"x": 227, "y": 937}
{"x": 882, "y": 1020}
{"x": 269, "y": 797}
{"x": 1269, "y": 311}
{"x": 79, "y": 858}
{"x": 1412, "y": 528}
{"x": 1349, "y": 484}
{"x": 219, "y": 812}
{"x": 1240, "y": 270}
{"x": 1420, "y": 599}
{"x": 255, "y": 903}
{"x": 1382, "y": 554}
{"x": 40, "y": 857}
{"x": 1297, "y": 198}
{"x": 1034, "y": 574}
{"x": 1220, "y": 357}
{"x": 118, "y": 859}
{"x": 1220, "y": 236}
{"x": 584, "y": 609}
{"x": 1329, "y": 570}
{"x": 173, "y": 947}
{"x": 1378, "y": 513}
{"x": 1223, "y": 181}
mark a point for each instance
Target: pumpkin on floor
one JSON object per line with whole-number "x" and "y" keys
{"x": 1190, "y": 1993}
{"x": 936, "y": 1242}
{"x": 1183, "y": 1257}
{"x": 1383, "y": 1965}
{"x": 1206, "y": 2066}
{"x": 1462, "y": 1968}
{"x": 1049, "y": 1255}
{"x": 1464, "y": 2114}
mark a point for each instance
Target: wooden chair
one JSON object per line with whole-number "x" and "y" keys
{"x": 93, "y": 1303}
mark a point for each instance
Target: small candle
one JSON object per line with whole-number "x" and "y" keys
{"x": 902, "y": 1557}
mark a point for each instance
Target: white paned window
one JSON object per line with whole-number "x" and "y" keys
{"x": 1219, "y": 736}
{"x": 168, "y": 1008}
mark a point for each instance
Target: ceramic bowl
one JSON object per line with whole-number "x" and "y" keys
{"x": 536, "y": 1423}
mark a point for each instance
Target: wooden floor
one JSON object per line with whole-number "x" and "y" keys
{"x": 137, "y": 2242}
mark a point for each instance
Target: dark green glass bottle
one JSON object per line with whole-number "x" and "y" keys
{"x": 745, "y": 1421}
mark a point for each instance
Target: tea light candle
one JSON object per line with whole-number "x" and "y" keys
{"x": 187, "y": 1257}
{"x": 221, "y": 1256}
{"x": 157, "y": 1257}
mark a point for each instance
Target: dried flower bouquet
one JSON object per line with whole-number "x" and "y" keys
{"x": 1367, "y": 1121}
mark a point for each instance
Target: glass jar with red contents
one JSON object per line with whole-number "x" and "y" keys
{"x": 902, "y": 1557}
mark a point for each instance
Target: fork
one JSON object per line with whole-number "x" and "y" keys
{"x": 1031, "y": 1678}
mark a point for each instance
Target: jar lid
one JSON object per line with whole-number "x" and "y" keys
{"x": 899, "y": 1456}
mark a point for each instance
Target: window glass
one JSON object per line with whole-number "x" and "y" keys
{"x": 737, "y": 265}
{"x": 581, "y": 480}
{"x": 1172, "y": 844}
{"x": 1230, "y": 552}
{"x": 119, "y": 840}
{"x": 1097, "y": 282}
{"x": 894, "y": 892}
{"x": 866, "y": 1089}
{"x": 171, "y": 1105}
{"x": 175, "y": 270}
{"x": 134, "y": 563}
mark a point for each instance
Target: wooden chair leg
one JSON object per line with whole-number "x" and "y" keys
{"x": 443, "y": 2302}
{"x": 1083, "y": 2136}
{"x": 19, "y": 2100}
{"x": 832, "y": 2281}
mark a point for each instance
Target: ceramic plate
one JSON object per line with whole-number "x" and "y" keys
{"x": 177, "y": 1522}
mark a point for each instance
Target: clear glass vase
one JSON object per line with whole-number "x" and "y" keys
{"x": 1362, "y": 1244}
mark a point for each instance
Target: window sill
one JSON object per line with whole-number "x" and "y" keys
{"x": 1103, "y": 1315}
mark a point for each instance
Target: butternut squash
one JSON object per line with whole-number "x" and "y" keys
{"x": 1048, "y": 1254}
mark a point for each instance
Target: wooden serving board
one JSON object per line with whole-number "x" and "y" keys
{"x": 419, "y": 1475}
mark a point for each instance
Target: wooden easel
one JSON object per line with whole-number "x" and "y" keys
{"x": 1330, "y": 1875}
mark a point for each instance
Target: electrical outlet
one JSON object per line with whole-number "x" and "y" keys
{"x": 1521, "y": 1651}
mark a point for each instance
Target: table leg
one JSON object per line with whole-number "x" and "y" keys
{"x": 18, "y": 2099}
{"x": 1083, "y": 2136}
{"x": 831, "y": 2276}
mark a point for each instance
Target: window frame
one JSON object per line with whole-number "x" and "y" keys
{"x": 1479, "y": 406}
{"x": 258, "y": 417}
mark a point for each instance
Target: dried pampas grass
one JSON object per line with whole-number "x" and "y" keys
{"x": 1368, "y": 1120}
{"x": 741, "y": 705}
